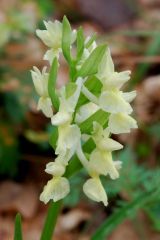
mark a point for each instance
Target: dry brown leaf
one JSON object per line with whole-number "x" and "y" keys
{"x": 72, "y": 219}
{"x": 18, "y": 198}
{"x": 147, "y": 102}
{"x": 124, "y": 231}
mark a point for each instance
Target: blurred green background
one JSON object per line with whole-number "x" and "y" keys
{"x": 131, "y": 28}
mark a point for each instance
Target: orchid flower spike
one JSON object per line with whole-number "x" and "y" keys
{"x": 90, "y": 107}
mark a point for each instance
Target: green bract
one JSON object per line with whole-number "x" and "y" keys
{"x": 89, "y": 108}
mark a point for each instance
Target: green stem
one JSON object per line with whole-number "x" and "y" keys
{"x": 51, "y": 219}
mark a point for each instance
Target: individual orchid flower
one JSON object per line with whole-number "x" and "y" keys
{"x": 52, "y": 38}
{"x": 58, "y": 187}
{"x": 40, "y": 81}
{"x": 102, "y": 153}
{"x": 69, "y": 134}
{"x": 113, "y": 100}
{"x": 107, "y": 75}
{"x": 100, "y": 163}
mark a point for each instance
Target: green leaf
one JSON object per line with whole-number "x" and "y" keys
{"x": 93, "y": 84}
{"x": 66, "y": 39}
{"x": 121, "y": 214}
{"x": 100, "y": 116}
{"x": 90, "y": 66}
{"x": 70, "y": 89}
{"x": 52, "y": 84}
{"x": 18, "y": 228}
{"x": 51, "y": 219}
{"x": 80, "y": 43}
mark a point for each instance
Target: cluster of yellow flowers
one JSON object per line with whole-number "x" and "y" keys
{"x": 110, "y": 99}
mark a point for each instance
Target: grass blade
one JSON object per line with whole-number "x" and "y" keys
{"x": 18, "y": 228}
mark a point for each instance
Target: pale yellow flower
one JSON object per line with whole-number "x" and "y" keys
{"x": 68, "y": 134}
{"x": 107, "y": 75}
{"x": 113, "y": 102}
{"x": 102, "y": 140}
{"x": 101, "y": 163}
{"x": 40, "y": 81}
{"x": 52, "y": 38}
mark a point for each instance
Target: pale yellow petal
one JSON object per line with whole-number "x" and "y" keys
{"x": 121, "y": 123}
{"x": 115, "y": 80}
{"x": 113, "y": 102}
{"x": 97, "y": 164}
{"x": 69, "y": 138}
{"x": 51, "y": 54}
{"x": 95, "y": 191}
{"x": 102, "y": 163}
{"x": 102, "y": 139}
{"x": 45, "y": 105}
{"x": 40, "y": 81}
{"x": 108, "y": 144}
{"x": 37, "y": 83}
{"x": 45, "y": 37}
{"x": 106, "y": 66}
{"x": 55, "y": 168}
{"x": 60, "y": 118}
{"x": 129, "y": 96}
{"x": 57, "y": 188}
